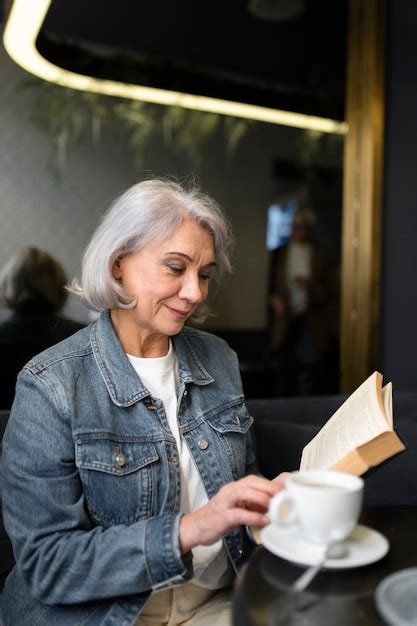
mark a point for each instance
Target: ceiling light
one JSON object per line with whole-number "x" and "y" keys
{"x": 24, "y": 23}
{"x": 276, "y": 10}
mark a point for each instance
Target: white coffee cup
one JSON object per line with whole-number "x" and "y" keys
{"x": 324, "y": 504}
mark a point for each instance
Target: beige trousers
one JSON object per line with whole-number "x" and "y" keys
{"x": 187, "y": 605}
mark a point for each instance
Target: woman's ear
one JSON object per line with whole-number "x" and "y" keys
{"x": 117, "y": 270}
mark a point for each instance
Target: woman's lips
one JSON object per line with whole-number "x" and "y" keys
{"x": 181, "y": 315}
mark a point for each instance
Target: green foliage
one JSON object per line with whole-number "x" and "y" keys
{"x": 72, "y": 117}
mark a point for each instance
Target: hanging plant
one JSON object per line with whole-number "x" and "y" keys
{"x": 71, "y": 117}
{"x": 189, "y": 131}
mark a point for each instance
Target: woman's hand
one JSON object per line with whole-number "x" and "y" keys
{"x": 279, "y": 481}
{"x": 238, "y": 503}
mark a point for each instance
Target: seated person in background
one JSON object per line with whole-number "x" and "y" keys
{"x": 128, "y": 461}
{"x": 300, "y": 301}
{"x": 32, "y": 286}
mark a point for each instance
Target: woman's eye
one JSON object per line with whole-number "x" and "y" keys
{"x": 205, "y": 277}
{"x": 176, "y": 269}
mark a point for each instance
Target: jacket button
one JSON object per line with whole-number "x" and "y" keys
{"x": 185, "y": 393}
{"x": 120, "y": 459}
{"x": 202, "y": 443}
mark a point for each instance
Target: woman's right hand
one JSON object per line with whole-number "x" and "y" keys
{"x": 244, "y": 502}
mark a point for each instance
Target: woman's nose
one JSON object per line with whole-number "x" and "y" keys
{"x": 191, "y": 289}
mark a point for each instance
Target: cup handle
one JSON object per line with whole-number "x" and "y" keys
{"x": 282, "y": 510}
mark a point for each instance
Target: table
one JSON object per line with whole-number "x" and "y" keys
{"x": 333, "y": 598}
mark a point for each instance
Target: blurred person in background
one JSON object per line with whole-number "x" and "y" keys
{"x": 32, "y": 287}
{"x": 302, "y": 292}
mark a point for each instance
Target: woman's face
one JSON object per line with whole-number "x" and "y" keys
{"x": 168, "y": 280}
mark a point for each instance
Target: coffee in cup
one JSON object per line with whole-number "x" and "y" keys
{"x": 324, "y": 504}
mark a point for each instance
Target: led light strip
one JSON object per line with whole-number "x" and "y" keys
{"x": 24, "y": 23}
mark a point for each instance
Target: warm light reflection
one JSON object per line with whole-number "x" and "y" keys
{"x": 24, "y": 23}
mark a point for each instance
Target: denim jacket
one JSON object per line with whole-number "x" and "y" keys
{"x": 92, "y": 479}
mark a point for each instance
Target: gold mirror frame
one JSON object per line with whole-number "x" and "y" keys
{"x": 362, "y": 192}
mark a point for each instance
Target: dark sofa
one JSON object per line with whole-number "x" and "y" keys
{"x": 284, "y": 425}
{"x": 6, "y": 554}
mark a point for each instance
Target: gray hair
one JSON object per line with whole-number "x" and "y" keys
{"x": 147, "y": 213}
{"x": 33, "y": 275}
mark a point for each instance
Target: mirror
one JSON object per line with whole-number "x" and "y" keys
{"x": 282, "y": 63}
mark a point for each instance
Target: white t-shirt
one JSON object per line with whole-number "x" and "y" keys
{"x": 298, "y": 264}
{"x": 161, "y": 376}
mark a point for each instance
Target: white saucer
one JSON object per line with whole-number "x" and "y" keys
{"x": 364, "y": 545}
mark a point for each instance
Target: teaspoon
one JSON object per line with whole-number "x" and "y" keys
{"x": 332, "y": 551}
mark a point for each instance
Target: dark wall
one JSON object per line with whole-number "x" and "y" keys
{"x": 398, "y": 332}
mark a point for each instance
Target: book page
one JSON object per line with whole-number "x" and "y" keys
{"x": 356, "y": 422}
{"x": 387, "y": 401}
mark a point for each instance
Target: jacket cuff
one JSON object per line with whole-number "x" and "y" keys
{"x": 165, "y": 563}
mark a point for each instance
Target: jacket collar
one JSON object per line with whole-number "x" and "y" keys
{"x": 122, "y": 382}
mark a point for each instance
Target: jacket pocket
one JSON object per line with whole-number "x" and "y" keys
{"x": 232, "y": 427}
{"x": 233, "y": 420}
{"x": 119, "y": 476}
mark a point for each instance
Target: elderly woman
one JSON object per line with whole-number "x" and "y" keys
{"x": 129, "y": 469}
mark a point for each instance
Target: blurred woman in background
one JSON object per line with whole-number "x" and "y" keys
{"x": 32, "y": 287}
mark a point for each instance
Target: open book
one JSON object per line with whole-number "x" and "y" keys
{"x": 359, "y": 435}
